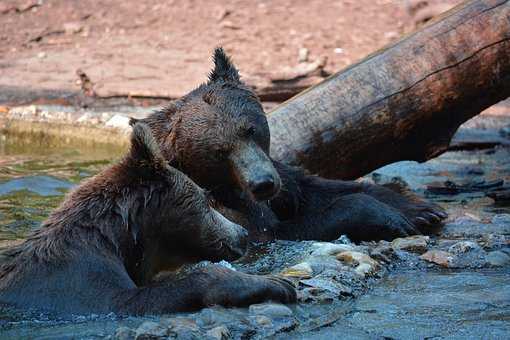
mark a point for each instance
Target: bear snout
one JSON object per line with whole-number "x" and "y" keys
{"x": 264, "y": 187}
{"x": 254, "y": 171}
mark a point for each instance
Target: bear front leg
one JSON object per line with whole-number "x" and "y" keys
{"x": 213, "y": 285}
{"x": 359, "y": 216}
{"x": 305, "y": 197}
{"x": 425, "y": 216}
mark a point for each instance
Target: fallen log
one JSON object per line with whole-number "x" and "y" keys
{"x": 403, "y": 102}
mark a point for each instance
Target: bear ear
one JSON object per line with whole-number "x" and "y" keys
{"x": 224, "y": 69}
{"x": 133, "y": 121}
{"x": 144, "y": 148}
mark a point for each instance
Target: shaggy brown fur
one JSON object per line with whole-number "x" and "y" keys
{"x": 219, "y": 136}
{"x": 98, "y": 251}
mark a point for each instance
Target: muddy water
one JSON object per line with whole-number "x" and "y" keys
{"x": 35, "y": 173}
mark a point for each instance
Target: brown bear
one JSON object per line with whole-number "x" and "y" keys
{"x": 98, "y": 252}
{"x": 219, "y": 136}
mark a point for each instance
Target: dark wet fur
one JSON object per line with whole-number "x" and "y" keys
{"x": 99, "y": 250}
{"x": 199, "y": 134}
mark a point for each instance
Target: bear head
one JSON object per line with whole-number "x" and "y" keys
{"x": 218, "y": 135}
{"x": 175, "y": 210}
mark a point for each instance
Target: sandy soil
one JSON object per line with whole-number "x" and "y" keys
{"x": 162, "y": 48}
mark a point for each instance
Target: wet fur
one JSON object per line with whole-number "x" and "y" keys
{"x": 99, "y": 250}
{"x": 194, "y": 128}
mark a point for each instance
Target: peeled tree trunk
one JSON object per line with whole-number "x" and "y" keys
{"x": 403, "y": 102}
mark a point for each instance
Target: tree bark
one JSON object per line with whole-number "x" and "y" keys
{"x": 403, "y": 102}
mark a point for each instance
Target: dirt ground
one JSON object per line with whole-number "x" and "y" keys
{"x": 158, "y": 48}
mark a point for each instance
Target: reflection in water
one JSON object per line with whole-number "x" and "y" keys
{"x": 35, "y": 173}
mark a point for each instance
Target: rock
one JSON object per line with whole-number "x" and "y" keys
{"x": 416, "y": 244}
{"x": 356, "y": 258}
{"x": 328, "y": 284}
{"x": 321, "y": 264}
{"x": 439, "y": 257}
{"x": 223, "y": 13}
{"x": 314, "y": 294}
{"x": 467, "y": 254}
{"x": 426, "y": 13}
{"x": 382, "y": 252}
{"x": 73, "y": 27}
{"x": 219, "y": 333}
{"x": 463, "y": 247}
{"x": 363, "y": 263}
{"x": 365, "y": 269}
{"x": 226, "y": 264}
{"x": 263, "y": 320}
{"x": 184, "y": 328}
{"x": 151, "y": 330}
{"x": 501, "y": 219}
{"x": 303, "y": 55}
{"x": 307, "y": 69}
{"x": 119, "y": 121}
{"x": 273, "y": 310}
{"x": 391, "y": 35}
{"x": 88, "y": 118}
{"x": 301, "y": 270}
{"x": 329, "y": 249}
{"x": 229, "y": 24}
{"x": 343, "y": 239}
{"x": 493, "y": 241}
{"x": 497, "y": 258}
{"x": 124, "y": 333}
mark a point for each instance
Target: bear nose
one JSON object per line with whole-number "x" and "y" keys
{"x": 263, "y": 187}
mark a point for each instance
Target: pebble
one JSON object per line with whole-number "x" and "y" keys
{"x": 219, "y": 333}
{"x": 501, "y": 219}
{"x": 329, "y": 249}
{"x": 463, "y": 247}
{"x": 88, "y": 117}
{"x": 416, "y": 244}
{"x": 492, "y": 241}
{"x": 151, "y": 330}
{"x": 301, "y": 270}
{"x": 303, "y": 55}
{"x": 184, "y": 328}
{"x": 329, "y": 285}
{"x": 439, "y": 257}
{"x": 365, "y": 269}
{"x": 119, "y": 122}
{"x": 356, "y": 258}
{"x": 73, "y": 27}
{"x": 273, "y": 310}
{"x": 382, "y": 252}
{"x": 124, "y": 333}
{"x": 263, "y": 320}
{"x": 226, "y": 264}
{"x": 497, "y": 258}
